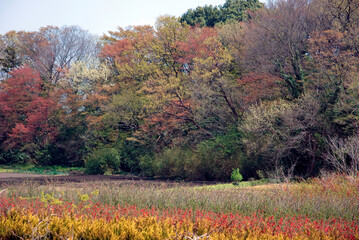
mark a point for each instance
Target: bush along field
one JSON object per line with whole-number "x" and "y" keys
{"x": 325, "y": 208}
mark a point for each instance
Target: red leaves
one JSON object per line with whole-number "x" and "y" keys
{"x": 124, "y": 45}
{"x": 166, "y": 124}
{"x": 172, "y": 116}
{"x": 331, "y": 51}
{"x": 20, "y": 133}
{"x": 259, "y": 86}
{"x": 197, "y": 45}
{"x": 116, "y": 50}
{"x": 329, "y": 48}
{"x": 143, "y": 44}
{"x": 228, "y": 224}
{"x": 24, "y": 113}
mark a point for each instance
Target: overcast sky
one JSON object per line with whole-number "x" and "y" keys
{"x": 97, "y": 16}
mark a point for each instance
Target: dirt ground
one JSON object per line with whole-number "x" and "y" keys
{"x": 17, "y": 178}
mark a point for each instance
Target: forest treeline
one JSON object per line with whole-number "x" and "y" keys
{"x": 269, "y": 89}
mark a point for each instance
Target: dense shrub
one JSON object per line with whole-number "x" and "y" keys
{"x": 236, "y": 176}
{"x": 131, "y": 153}
{"x": 14, "y": 156}
{"x": 218, "y": 156}
{"x": 213, "y": 159}
{"x": 103, "y": 160}
{"x": 343, "y": 155}
{"x": 286, "y": 134}
{"x": 172, "y": 163}
{"x": 146, "y": 165}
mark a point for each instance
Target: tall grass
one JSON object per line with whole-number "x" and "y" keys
{"x": 335, "y": 196}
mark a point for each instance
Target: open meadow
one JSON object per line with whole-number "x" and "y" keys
{"x": 325, "y": 208}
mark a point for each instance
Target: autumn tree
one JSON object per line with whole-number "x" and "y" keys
{"x": 170, "y": 125}
{"x": 335, "y": 61}
{"x": 140, "y": 62}
{"x": 25, "y": 115}
{"x": 85, "y": 90}
{"x": 277, "y": 43}
{"x": 129, "y": 52}
{"x": 52, "y": 49}
{"x": 258, "y": 87}
{"x": 201, "y": 87}
{"x": 145, "y": 58}
{"x": 10, "y": 52}
{"x": 233, "y": 37}
{"x": 170, "y": 68}
{"x": 213, "y": 88}
{"x": 346, "y": 13}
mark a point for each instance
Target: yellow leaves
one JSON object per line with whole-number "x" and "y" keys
{"x": 136, "y": 70}
{"x": 212, "y": 66}
{"x": 29, "y": 226}
{"x": 133, "y": 139}
{"x": 170, "y": 30}
{"x": 158, "y": 92}
{"x": 262, "y": 116}
{"x": 49, "y": 199}
{"x": 83, "y": 197}
{"x": 83, "y": 77}
{"x": 95, "y": 193}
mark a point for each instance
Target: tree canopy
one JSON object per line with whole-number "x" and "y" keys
{"x": 231, "y": 10}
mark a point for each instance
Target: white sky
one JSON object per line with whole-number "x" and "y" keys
{"x": 96, "y": 16}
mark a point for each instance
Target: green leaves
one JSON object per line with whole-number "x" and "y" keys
{"x": 236, "y": 176}
{"x": 231, "y": 10}
{"x": 103, "y": 160}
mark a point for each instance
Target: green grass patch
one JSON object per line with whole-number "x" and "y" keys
{"x": 230, "y": 185}
{"x": 6, "y": 170}
{"x": 45, "y": 170}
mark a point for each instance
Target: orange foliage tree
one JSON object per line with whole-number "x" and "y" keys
{"x": 25, "y": 112}
{"x": 258, "y": 87}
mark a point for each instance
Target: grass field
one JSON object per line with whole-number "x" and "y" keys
{"x": 31, "y": 168}
{"x": 325, "y": 208}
